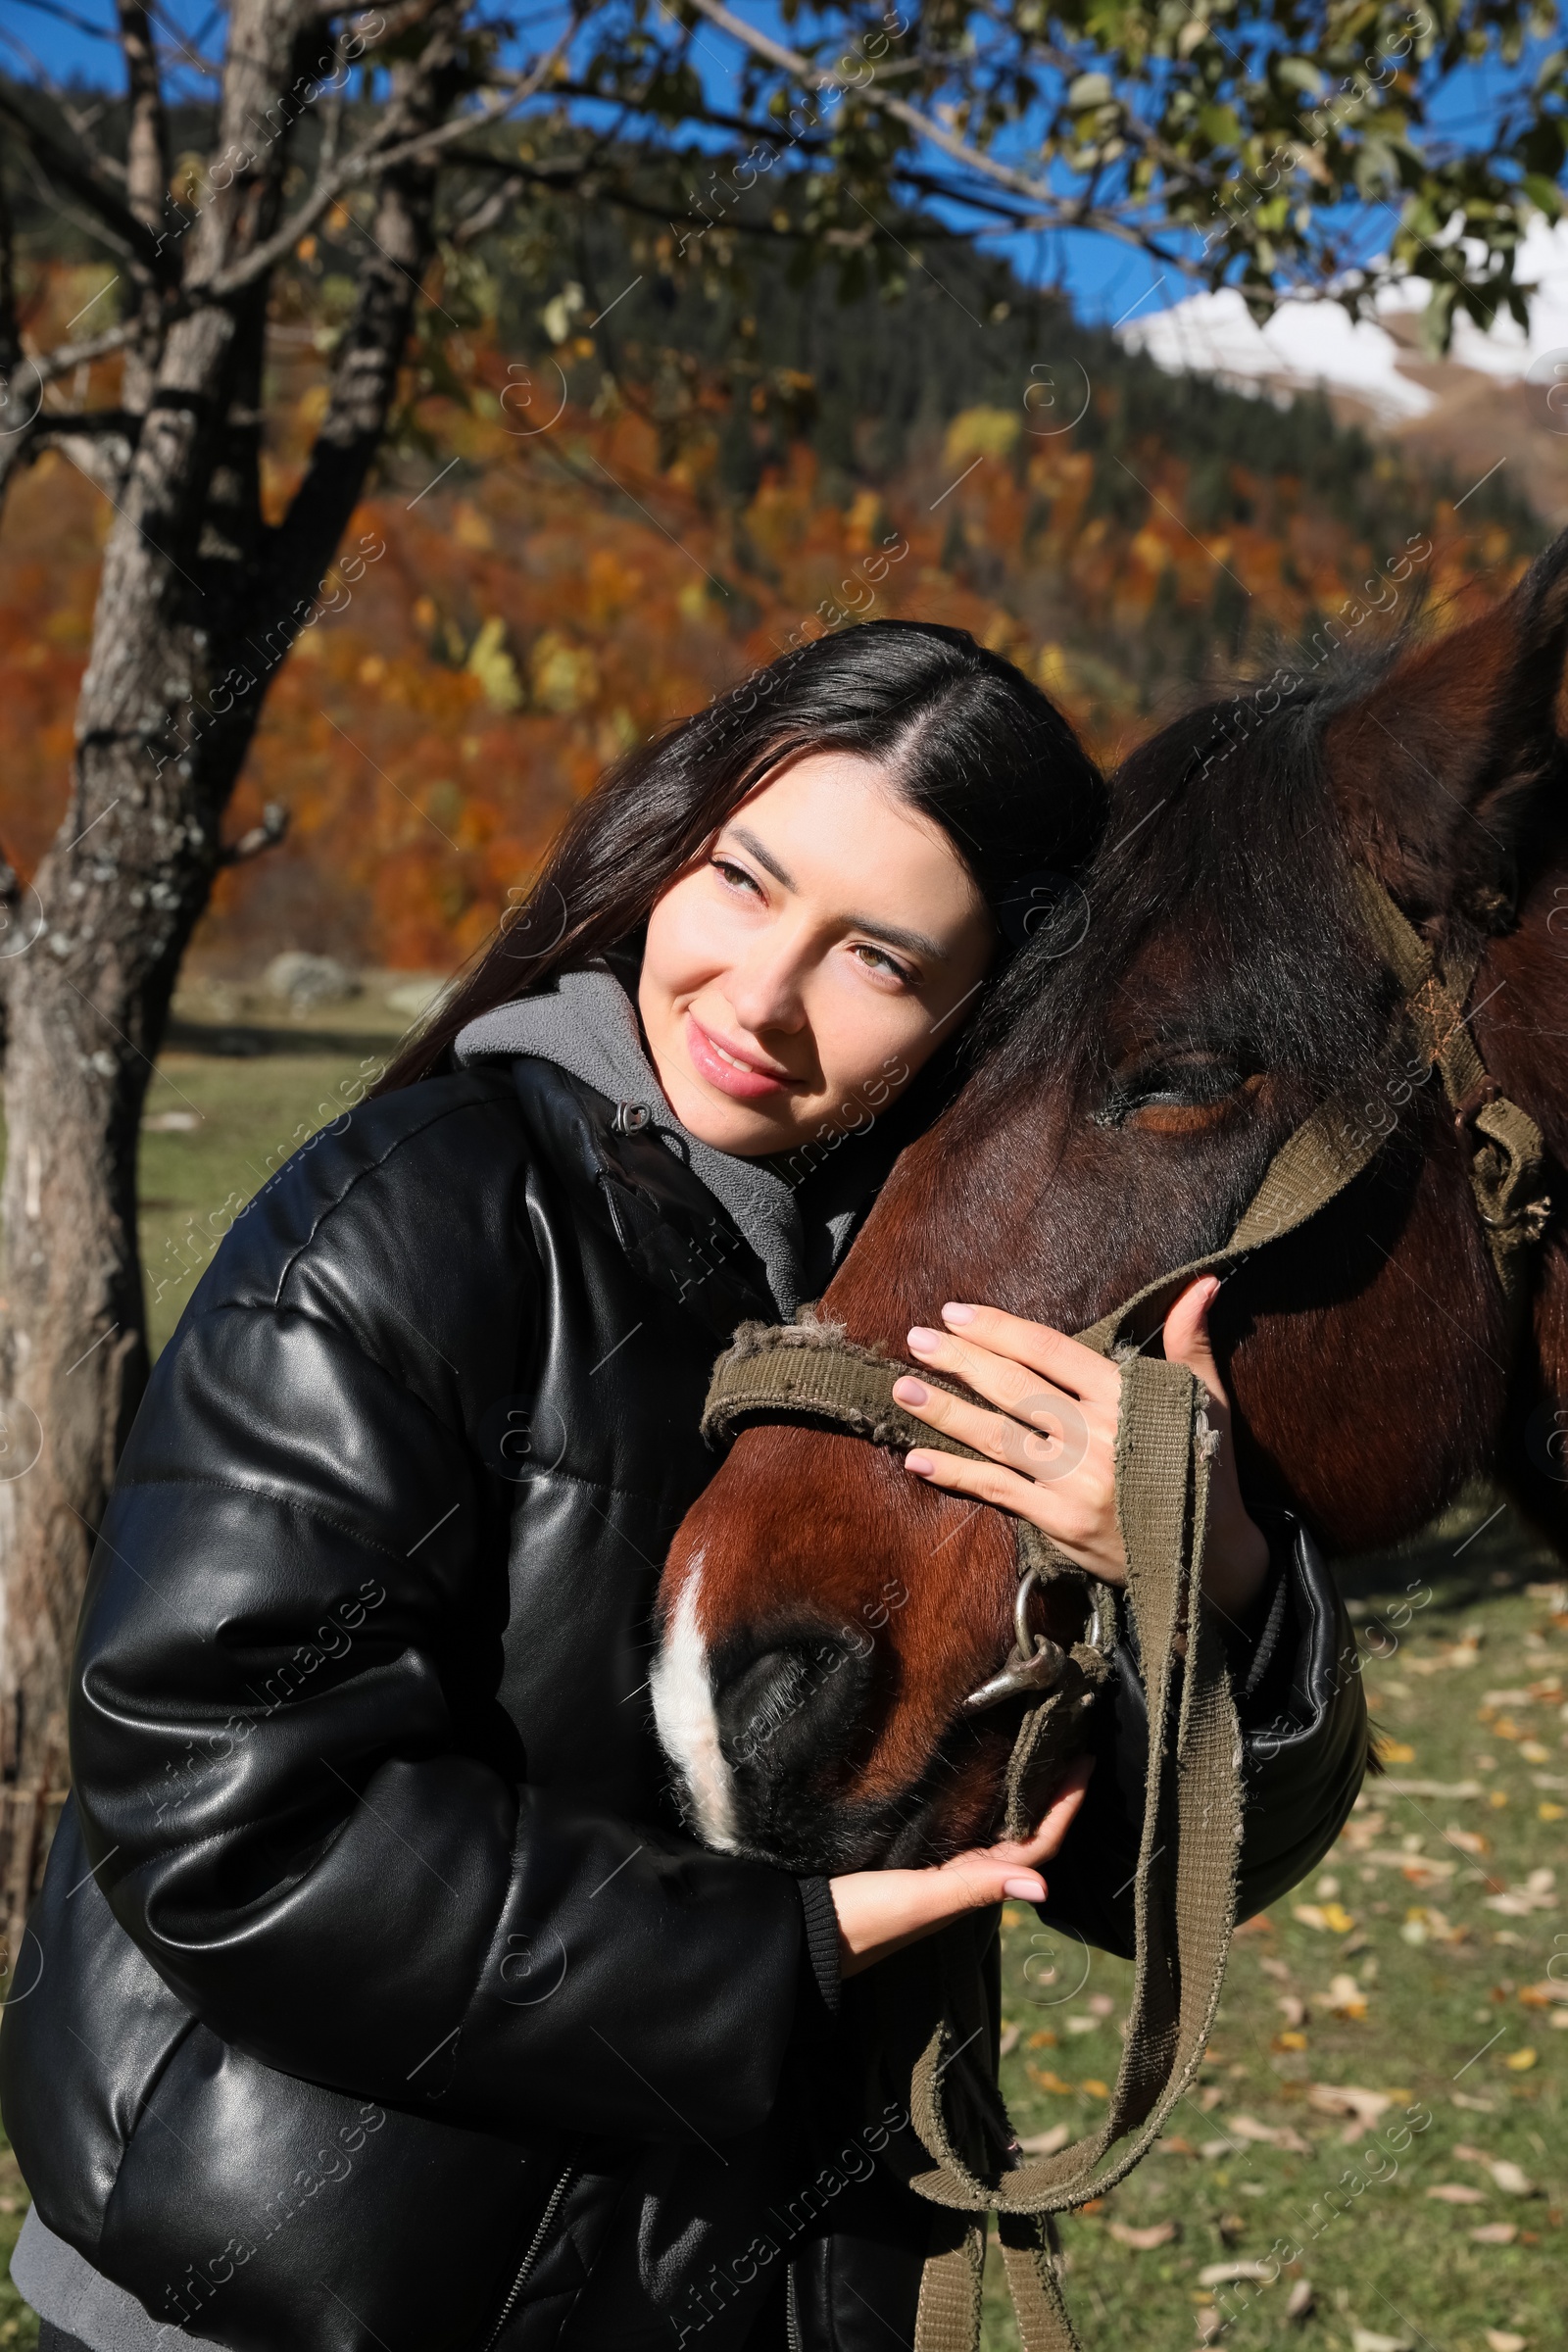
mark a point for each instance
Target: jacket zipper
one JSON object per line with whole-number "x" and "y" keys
{"x": 525, "y": 2268}
{"x": 792, "y": 2319}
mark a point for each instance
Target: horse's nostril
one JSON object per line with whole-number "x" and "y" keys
{"x": 791, "y": 1706}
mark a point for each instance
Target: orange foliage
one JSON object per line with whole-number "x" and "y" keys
{"x": 556, "y": 599}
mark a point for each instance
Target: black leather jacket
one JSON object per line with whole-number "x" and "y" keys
{"x": 377, "y": 1997}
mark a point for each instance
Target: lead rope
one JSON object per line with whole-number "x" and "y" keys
{"x": 1185, "y": 1889}
{"x": 1184, "y": 1896}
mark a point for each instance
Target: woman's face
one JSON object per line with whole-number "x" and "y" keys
{"x": 823, "y": 950}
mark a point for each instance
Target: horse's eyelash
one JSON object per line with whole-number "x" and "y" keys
{"x": 1179, "y": 1082}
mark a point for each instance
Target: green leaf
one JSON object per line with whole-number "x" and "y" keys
{"x": 1219, "y": 125}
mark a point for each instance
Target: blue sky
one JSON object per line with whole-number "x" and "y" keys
{"x": 1107, "y": 281}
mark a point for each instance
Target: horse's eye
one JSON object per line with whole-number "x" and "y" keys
{"x": 1174, "y": 1094}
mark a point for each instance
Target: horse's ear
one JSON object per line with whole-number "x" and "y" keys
{"x": 1436, "y": 766}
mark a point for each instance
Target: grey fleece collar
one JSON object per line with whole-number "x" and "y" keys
{"x": 587, "y": 1026}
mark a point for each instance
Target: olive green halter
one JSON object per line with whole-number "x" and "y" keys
{"x": 933, "y": 2007}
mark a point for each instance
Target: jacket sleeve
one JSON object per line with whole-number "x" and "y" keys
{"x": 1303, "y": 1712}
{"x": 281, "y": 1811}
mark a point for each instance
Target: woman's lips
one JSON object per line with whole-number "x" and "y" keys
{"x": 732, "y": 1076}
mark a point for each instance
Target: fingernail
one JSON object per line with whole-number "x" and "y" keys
{"x": 923, "y": 1339}
{"x": 911, "y": 1391}
{"x": 957, "y": 1315}
{"x": 920, "y": 1463}
{"x": 1027, "y": 1891}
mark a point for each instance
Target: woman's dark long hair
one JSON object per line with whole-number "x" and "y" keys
{"x": 964, "y": 734}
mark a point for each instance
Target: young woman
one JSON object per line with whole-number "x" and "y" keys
{"x": 376, "y": 1995}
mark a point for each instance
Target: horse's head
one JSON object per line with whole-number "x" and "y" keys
{"x": 824, "y": 1614}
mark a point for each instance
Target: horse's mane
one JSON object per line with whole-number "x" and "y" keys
{"x": 1223, "y": 833}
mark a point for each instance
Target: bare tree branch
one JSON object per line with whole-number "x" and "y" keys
{"x": 265, "y": 835}
{"x": 489, "y": 210}
{"x": 56, "y": 424}
{"x": 376, "y": 158}
{"x": 131, "y": 236}
{"x": 69, "y": 15}
{"x": 47, "y": 366}
{"x": 146, "y": 188}
{"x": 147, "y": 131}
{"x": 365, "y": 368}
{"x": 1053, "y": 207}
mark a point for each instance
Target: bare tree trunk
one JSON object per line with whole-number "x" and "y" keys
{"x": 197, "y": 604}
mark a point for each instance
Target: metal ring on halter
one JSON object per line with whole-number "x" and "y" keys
{"x": 1035, "y": 1663}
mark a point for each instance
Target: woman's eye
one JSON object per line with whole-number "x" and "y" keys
{"x": 735, "y": 877}
{"x": 877, "y": 959}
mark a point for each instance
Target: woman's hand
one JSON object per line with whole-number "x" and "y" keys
{"x": 881, "y": 1911}
{"x": 1051, "y": 1447}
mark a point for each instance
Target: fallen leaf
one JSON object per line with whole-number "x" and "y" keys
{"x": 1365, "y": 2340}
{"x": 1142, "y": 2241}
{"x": 1519, "y": 2062}
{"x": 1543, "y": 1995}
{"x": 1303, "y": 2294}
{"x": 1045, "y": 2039}
{"x": 1239, "y": 2274}
{"x": 1332, "y": 1917}
{"x": 1046, "y": 2143}
{"x": 1510, "y": 2178}
{"x": 1548, "y": 1811}
{"x": 1454, "y": 2192}
{"x": 1046, "y": 2081}
{"x": 1344, "y": 1997}
{"x": 1366, "y": 2107}
{"x": 1395, "y": 1751}
{"x": 1094, "y": 2088}
{"x": 1501, "y": 2340}
{"x": 1292, "y": 2009}
{"x": 1469, "y": 1841}
{"x": 1495, "y": 2234}
{"x": 1289, "y": 2042}
{"x": 1456, "y": 1791}
{"x": 1271, "y": 2136}
{"x": 1009, "y": 2041}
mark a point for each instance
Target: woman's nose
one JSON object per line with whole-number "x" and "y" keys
{"x": 768, "y": 994}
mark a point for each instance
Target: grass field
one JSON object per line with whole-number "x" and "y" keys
{"x": 1424, "y": 1968}
{"x": 1420, "y": 1969}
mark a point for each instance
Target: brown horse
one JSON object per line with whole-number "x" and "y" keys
{"x": 824, "y": 1614}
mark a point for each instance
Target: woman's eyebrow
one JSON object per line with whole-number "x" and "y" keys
{"x": 764, "y": 858}
{"x": 914, "y": 942}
